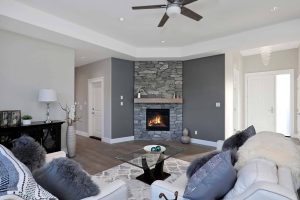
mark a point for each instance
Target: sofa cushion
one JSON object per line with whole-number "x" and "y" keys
{"x": 199, "y": 162}
{"x": 29, "y": 152}
{"x": 213, "y": 180}
{"x": 16, "y": 179}
{"x": 256, "y": 170}
{"x": 237, "y": 140}
{"x": 65, "y": 179}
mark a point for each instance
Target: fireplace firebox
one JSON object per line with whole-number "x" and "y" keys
{"x": 158, "y": 120}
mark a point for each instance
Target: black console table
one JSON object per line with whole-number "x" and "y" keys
{"x": 48, "y": 135}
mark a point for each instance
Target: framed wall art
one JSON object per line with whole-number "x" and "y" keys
{"x": 9, "y": 118}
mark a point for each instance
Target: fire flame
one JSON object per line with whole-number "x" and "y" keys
{"x": 155, "y": 121}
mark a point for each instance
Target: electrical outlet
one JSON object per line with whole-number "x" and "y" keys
{"x": 121, "y": 103}
{"x": 218, "y": 104}
{"x": 196, "y": 132}
{"x": 121, "y": 97}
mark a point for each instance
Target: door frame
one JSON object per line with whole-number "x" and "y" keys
{"x": 277, "y": 72}
{"x": 237, "y": 112}
{"x": 90, "y": 85}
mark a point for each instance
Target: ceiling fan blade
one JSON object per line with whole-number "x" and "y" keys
{"x": 149, "y": 7}
{"x": 191, "y": 14}
{"x": 185, "y": 2}
{"x": 163, "y": 20}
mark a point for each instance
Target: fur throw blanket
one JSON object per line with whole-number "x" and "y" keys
{"x": 272, "y": 146}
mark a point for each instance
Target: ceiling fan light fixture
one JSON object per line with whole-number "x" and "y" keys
{"x": 173, "y": 10}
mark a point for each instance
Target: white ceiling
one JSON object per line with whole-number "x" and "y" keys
{"x": 93, "y": 28}
{"x": 221, "y": 18}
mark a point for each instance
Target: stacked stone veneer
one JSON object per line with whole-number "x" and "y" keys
{"x": 158, "y": 80}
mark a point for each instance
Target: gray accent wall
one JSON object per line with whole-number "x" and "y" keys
{"x": 82, "y": 75}
{"x": 27, "y": 65}
{"x": 118, "y": 81}
{"x": 204, "y": 85}
{"x": 122, "y": 85}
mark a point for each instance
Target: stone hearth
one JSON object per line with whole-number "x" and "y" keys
{"x": 158, "y": 80}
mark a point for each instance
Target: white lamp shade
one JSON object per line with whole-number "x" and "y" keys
{"x": 47, "y": 95}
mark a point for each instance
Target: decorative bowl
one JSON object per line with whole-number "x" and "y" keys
{"x": 148, "y": 148}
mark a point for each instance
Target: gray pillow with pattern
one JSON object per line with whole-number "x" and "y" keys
{"x": 213, "y": 180}
{"x": 16, "y": 179}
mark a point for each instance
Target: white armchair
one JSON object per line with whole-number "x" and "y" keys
{"x": 112, "y": 191}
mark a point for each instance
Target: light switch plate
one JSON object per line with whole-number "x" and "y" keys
{"x": 218, "y": 104}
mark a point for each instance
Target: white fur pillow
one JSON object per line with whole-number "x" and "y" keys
{"x": 256, "y": 170}
{"x": 272, "y": 146}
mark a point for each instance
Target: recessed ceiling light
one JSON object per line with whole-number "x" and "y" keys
{"x": 122, "y": 19}
{"x": 274, "y": 9}
{"x": 162, "y": 41}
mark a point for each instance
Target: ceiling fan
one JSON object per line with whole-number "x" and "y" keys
{"x": 173, "y": 8}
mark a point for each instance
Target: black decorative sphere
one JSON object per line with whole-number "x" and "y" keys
{"x": 158, "y": 148}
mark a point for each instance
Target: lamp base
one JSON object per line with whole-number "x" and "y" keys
{"x": 48, "y": 121}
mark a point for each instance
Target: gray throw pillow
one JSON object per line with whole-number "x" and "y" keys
{"x": 29, "y": 152}
{"x": 213, "y": 180}
{"x": 65, "y": 179}
{"x": 237, "y": 140}
{"x": 199, "y": 162}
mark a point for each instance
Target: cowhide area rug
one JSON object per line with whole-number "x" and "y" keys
{"x": 137, "y": 189}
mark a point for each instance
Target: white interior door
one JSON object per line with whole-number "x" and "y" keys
{"x": 270, "y": 101}
{"x": 96, "y": 108}
{"x": 260, "y": 102}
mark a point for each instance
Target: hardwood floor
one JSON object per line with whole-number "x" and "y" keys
{"x": 96, "y": 156}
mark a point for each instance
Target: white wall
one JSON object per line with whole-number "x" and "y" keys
{"x": 233, "y": 60}
{"x": 82, "y": 75}
{"x": 280, "y": 60}
{"x": 27, "y": 65}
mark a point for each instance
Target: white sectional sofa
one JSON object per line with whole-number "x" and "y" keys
{"x": 283, "y": 190}
{"x": 261, "y": 187}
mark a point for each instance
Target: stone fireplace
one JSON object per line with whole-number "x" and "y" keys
{"x": 158, "y": 120}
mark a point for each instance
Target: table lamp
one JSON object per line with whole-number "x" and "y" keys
{"x": 47, "y": 96}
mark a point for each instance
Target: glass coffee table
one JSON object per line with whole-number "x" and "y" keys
{"x": 151, "y": 162}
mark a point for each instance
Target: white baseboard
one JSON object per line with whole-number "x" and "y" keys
{"x": 117, "y": 140}
{"x": 82, "y": 133}
{"x": 106, "y": 140}
{"x": 204, "y": 142}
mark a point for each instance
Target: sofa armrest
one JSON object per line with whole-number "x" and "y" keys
{"x": 52, "y": 156}
{"x": 168, "y": 189}
{"x": 267, "y": 191}
{"x": 220, "y": 144}
{"x": 116, "y": 190}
